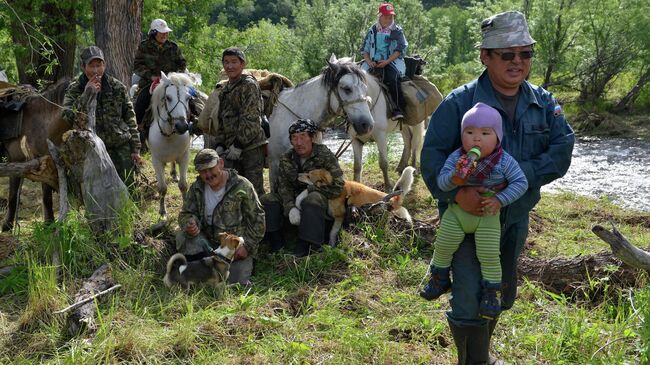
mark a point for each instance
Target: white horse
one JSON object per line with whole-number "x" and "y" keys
{"x": 350, "y": 88}
{"x": 169, "y": 139}
{"x": 339, "y": 89}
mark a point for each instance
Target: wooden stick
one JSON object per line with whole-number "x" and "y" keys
{"x": 622, "y": 248}
{"x": 89, "y": 299}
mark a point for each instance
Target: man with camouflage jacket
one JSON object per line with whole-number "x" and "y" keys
{"x": 115, "y": 120}
{"x": 155, "y": 54}
{"x": 311, "y": 218}
{"x": 240, "y": 137}
{"x": 220, "y": 201}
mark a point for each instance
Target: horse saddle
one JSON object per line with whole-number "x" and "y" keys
{"x": 11, "y": 115}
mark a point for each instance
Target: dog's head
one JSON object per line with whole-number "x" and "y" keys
{"x": 229, "y": 244}
{"x": 318, "y": 177}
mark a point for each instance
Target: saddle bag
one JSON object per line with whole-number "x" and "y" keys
{"x": 414, "y": 65}
{"x": 422, "y": 98}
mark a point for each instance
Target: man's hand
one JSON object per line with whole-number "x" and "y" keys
{"x": 491, "y": 205}
{"x": 241, "y": 253}
{"x": 469, "y": 200}
{"x": 94, "y": 83}
{"x": 371, "y": 63}
{"x": 192, "y": 229}
{"x": 294, "y": 216}
{"x": 233, "y": 153}
{"x": 137, "y": 159}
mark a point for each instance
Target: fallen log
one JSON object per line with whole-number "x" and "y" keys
{"x": 82, "y": 318}
{"x": 583, "y": 274}
{"x": 623, "y": 249}
{"x": 40, "y": 169}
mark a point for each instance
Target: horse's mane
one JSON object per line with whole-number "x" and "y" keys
{"x": 177, "y": 79}
{"x": 55, "y": 92}
{"x": 332, "y": 73}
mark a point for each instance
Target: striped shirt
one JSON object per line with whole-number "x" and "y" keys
{"x": 507, "y": 169}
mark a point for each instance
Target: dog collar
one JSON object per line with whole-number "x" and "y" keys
{"x": 222, "y": 257}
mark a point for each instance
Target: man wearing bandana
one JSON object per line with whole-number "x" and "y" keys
{"x": 304, "y": 156}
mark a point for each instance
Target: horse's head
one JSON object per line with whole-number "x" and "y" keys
{"x": 347, "y": 82}
{"x": 170, "y": 103}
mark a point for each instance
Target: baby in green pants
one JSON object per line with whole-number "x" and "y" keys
{"x": 481, "y": 129}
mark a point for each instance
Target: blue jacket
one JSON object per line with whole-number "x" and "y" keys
{"x": 397, "y": 43}
{"x": 540, "y": 139}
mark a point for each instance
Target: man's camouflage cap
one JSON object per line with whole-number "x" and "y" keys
{"x": 90, "y": 53}
{"x": 207, "y": 158}
{"x": 505, "y": 30}
{"x": 302, "y": 125}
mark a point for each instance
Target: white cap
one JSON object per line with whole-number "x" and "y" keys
{"x": 160, "y": 26}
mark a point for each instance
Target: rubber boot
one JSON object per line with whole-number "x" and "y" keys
{"x": 493, "y": 360}
{"x": 311, "y": 231}
{"x": 472, "y": 343}
{"x": 276, "y": 239}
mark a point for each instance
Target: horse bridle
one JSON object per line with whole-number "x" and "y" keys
{"x": 171, "y": 119}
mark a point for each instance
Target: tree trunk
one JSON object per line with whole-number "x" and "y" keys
{"x": 627, "y": 101}
{"x": 56, "y": 33}
{"x": 117, "y": 33}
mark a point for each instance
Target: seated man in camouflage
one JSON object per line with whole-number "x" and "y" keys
{"x": 114, "y": 116}
{"x": 311, "y": 219}
{"x": 220, "y": 201}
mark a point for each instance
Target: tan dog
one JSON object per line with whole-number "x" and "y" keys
{"x": 211, "y": 270}
{"x": 356, "y": 194}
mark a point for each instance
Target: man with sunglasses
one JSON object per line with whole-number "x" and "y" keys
{"x": 535, "y": 133}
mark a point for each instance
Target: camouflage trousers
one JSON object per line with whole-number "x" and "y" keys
{"x": 251, "y": 166}
{"x": 240, "y": 270}
{"x": 124, "y": 165}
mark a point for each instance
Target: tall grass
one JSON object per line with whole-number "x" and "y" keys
{"x": 353, "y": 304}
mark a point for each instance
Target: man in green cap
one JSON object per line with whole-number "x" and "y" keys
{"x": 114, "y": 116}
{"x": 220, "y": 201}
{"x": 535, "y": 133}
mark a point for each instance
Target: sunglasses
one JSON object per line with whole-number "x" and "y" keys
{"x": 509, "y": 56}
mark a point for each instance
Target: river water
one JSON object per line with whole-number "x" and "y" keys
{"x": 611, "y": 168}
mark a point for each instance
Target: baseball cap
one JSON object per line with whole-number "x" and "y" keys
{"x": 90, "y": 53}
{"x": 206, "y": 158}
{"x": 505, "y": 30}
{"x": 160, "y": 26}
{"x": 386, "y": 9}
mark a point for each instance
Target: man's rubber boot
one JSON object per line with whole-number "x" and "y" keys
{"x": 492, "y": 359}
{"x": 312, "y": 227}
{"x": 472, "y": 343}
{"x": 439, "y": 283}
{"x": 276, "y": 240}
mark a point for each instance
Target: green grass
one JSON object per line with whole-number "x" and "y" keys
{"x": 355, "y": 304}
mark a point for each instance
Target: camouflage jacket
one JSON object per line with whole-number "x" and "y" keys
{"x": 239, "y": 212}
{"x": 240, "y": 112}
{"x": 114, "y": 114}
{"x": 151, "y": 58}
{"x": 321, "y": 158}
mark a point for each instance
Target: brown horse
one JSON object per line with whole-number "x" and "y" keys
{"x": 42, "y": 120}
